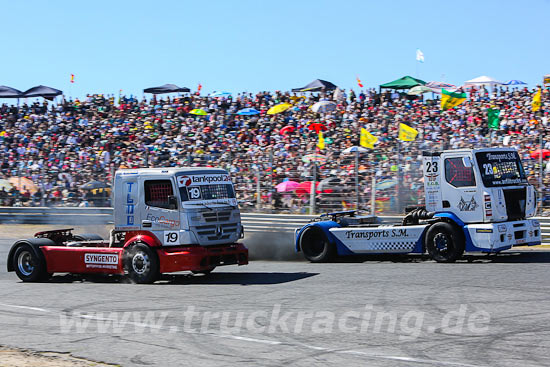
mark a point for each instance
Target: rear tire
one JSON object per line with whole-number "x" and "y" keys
{"x": 315, "y": 245}
{"x": 445, "y": 242}
{"x": 141, "y": 263}
{"x": 28, "y": 266}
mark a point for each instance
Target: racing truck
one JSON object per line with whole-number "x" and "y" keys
{"x": 165, "y": 220}
{"x": 476, "y": 201}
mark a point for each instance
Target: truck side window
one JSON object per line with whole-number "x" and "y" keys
{"x": 457, "y": 174}
{"x": 157, "y": 192}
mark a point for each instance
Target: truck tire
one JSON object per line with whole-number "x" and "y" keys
{"x": 141, "y": 263}
{"x": 445, "y": 242}
{"x": 28, "y": 266}
{"x": 315, "y": 245}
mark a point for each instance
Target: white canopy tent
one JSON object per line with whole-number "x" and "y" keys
{"x": 483, "y": 80}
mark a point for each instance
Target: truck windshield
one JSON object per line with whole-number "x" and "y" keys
{"x": 500, "y": 168}
{"x": 207, "y": 192}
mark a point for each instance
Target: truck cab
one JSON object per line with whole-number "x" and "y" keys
{"x": 180, "y": 206}
{"x": 478, "y": 185}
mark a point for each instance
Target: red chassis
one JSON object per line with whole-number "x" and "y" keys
{"x": 138, "y": 253}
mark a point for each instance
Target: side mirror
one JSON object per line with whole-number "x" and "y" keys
{"x": 467, "y": 161}
{"x": 172, "y": 202}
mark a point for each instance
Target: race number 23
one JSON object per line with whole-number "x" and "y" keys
{"x": 171, "y": 238}
{"x": 431, "y": 167}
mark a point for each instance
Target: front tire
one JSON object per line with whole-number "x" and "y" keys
{"x": 28, "y": 266}
{"x": 141, "y": 264}
{"x": 445, "y": 242}
{"x": 315, "y": 245}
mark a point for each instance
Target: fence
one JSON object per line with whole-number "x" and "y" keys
{"x": 272, "y": 182}
{"x": 253, "y": 222}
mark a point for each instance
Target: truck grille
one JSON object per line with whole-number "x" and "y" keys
{"x": 515, "y": 203}
{"x": 216, "y": 216}
{"x": 217, "y": 232}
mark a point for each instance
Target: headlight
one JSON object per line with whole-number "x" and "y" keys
{"x": 535, "y": 223}
{"x": 502, "y": 228}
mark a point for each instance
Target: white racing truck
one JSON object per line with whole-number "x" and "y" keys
{"x": 166, "y": 220}
{"x": 477, "y": 201}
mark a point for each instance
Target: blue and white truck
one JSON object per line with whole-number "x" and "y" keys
{"x": 476, "y": 201}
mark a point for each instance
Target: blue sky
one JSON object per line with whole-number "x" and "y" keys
{"x": 267, "y": 45}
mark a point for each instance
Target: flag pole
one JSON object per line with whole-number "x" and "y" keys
{"x": 357, "y": 179}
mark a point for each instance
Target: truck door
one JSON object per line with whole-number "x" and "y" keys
{"x": 161, "y": 215}
{"x": 461, "y": 194}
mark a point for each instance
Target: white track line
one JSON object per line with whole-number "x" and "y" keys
{"x": 263, "y": 341}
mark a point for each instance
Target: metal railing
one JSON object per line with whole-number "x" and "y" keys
{"x": 253, "y": 222}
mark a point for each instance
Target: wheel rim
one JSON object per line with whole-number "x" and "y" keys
{"x": 441, "y": 243}
{"x": 25, "y": 263}
{"x": 141, "y": 263}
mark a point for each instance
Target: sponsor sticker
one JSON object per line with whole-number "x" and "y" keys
{"x": 193, "y": 180}
{"x": 101, "y": 260}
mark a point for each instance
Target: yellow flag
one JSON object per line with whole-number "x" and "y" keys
{"x": 407, "y": 133}
{"x": 321, "y": 143}
{"x": 367, "y": 140}
{"x": 535, "y": 105}
{"x": 451, "y": 99}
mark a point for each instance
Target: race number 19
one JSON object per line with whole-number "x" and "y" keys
{"x": 171, "y": 238}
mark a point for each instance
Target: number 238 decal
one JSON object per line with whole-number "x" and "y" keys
{"x": 171, "y": 238}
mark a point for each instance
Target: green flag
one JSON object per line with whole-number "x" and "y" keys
{"x": 493, "y": 119}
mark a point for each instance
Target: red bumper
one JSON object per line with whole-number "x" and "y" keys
{"x": 172, "y": 259}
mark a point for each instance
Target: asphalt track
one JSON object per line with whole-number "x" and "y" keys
{"x": 506, "y": 298}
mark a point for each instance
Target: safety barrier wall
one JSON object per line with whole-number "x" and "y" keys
{"x": 253, "y": 222}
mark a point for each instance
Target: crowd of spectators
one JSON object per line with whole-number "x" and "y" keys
{"x": 60, "y": 146}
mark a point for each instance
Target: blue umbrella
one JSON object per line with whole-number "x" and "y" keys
{"x": 220, "y": 94}
{"x": 248, "y": 112}
{"x": 515, "y": 82}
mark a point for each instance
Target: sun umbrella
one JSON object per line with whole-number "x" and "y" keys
{"x": 317, "y": 127}
{"x": 279, "y": 108}
{"x": 386, "y": 184}
{"x": 354, "y": 149}
{"x": 536, "y": 153}
{"x": 248, "y": 112}
{"x": 436, "y": 87}
{"x": 5, "y": 184}
{"x": 166, "y": 88}
{"x": 515, "y": 82}
{"x": 305, "y": 188}
{"x": 418, "y": 90}
{"x": 9, "y": 92}
{"x": 287, "y": 186}
{"x": 93, "y": 185}
{"x": 23, "y": 184}
{"x": 323, "y": 107}
{"x": 198, "y": 112}
{"x": 314, "y": 157}
{"x": 220, "y": 94}
{"x": 287, "y": 129}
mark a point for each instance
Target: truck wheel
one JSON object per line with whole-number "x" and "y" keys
{"x": 27, "y": 266}
{"x": 205, "y": 272}
{"x": 141, "y": 264}
{"x": 445, "y": 242}
{"x": 315, "y": 246}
